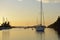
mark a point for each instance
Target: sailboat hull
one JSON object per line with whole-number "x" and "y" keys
{"x": 40, "y": 29}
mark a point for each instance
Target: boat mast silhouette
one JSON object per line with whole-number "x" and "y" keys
{"x": 42, "y": 21}
{"x": 41, "y": 27}
{"x": 41, "y": 14}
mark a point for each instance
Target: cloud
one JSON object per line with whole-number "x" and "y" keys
{"x": 38, "y": 0}
{"x": 49, "y": 1}
{"x": 20, "y": 0}
{"x": 44, "y": 1}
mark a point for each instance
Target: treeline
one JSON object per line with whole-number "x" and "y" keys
{"x": 56, "y": 25}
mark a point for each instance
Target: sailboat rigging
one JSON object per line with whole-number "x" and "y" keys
{"x": 40, "y": 27}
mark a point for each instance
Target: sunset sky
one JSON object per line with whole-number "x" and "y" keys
{"x": 27, "y": 12}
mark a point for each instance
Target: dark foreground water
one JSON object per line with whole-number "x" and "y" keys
{"x": 28, "y": 34}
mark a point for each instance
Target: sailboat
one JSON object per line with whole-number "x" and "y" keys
{"x": 40, "y": 27}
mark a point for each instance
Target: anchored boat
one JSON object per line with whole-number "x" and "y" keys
{"x": 40, "y": 27}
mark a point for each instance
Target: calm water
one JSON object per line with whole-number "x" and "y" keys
{"x": 28, "y": 34}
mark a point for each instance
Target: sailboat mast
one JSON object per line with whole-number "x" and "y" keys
{"x": 3, "y": 20}
{"x": 41, "y": 14}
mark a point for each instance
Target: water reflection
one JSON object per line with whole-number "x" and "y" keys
{"x": 29, "y": 34}
{"x": 5, "y": 34}
{"x": 58, "y": 35}
{"x": 40, "y": 35}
